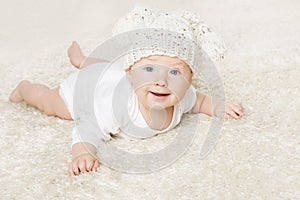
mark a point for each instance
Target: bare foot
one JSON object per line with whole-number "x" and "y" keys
{"x": 16, "y": 96}
{"x": 75, "y": 55}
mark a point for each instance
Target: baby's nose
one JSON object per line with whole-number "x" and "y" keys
{"x": 161, "y": 82}
{"x": 162, "y": 76}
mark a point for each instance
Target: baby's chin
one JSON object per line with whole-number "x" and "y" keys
{"x": 157, "y": 107}
{"x": 160, "y": 106}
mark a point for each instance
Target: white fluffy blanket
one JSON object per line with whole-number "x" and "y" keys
{"x": 256, "y": 157}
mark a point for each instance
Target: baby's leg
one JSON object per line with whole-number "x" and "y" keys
{"x": 41, "y": 97}
{"x": 77, "y": 58}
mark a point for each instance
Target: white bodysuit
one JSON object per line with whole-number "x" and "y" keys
{"x": 106, "y": 98}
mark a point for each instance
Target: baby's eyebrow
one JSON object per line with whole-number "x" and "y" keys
{"x": 178, "y": 65}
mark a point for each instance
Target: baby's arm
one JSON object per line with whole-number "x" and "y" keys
{"x": 204, "y": 105}
{"x": 84, "y": 159}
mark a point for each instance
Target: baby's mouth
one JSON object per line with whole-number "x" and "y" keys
{"x": 159, "y": 94}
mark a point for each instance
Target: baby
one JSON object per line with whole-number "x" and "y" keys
{"x": 161, "y": 82}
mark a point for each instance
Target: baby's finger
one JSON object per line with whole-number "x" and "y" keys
{"x": 82, "y": 165}
{"x": 227, "y": 116}
{"x": 96, "y": 165}
{"x": 89, "y": 165}
{"x": 71, "y": 173}
{"x": 238, "y": 109}
{"x": 75, "y": 168}
{"x": 233, "y": 114}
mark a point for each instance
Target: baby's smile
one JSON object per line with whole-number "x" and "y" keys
{"x": 159, "y": 96}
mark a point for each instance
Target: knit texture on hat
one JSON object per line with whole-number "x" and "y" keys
{"x": 177, "y": 24}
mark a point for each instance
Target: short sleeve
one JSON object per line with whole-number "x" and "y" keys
{"x": 189, "y": 100}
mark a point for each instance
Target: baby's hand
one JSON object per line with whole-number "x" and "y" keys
{"x": 83, "y": 163}
{"x": 233, "y": 110}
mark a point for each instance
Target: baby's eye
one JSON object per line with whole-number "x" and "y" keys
{"x": 174, "y": 72}
{"x": 149, "y": 69}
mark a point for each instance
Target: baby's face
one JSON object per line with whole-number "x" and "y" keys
{"x": 160, "y": 81}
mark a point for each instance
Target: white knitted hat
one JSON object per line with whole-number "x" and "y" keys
{"x": 178, "y": 34}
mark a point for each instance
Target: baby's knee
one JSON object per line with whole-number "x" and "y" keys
{"x": 46, "y": 103}
{"x": 54, "y": 105}
{"x": 46, "y": 108}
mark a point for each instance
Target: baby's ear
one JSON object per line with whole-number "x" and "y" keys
{"x": 128, "y": 74}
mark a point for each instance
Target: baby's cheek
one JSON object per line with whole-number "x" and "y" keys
{"x": 179, "y": 90}
{"x": 141, "y": 92}
{"x": 174, "y": 100}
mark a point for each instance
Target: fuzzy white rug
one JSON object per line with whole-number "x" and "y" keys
{"x": 256, "y": 157}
